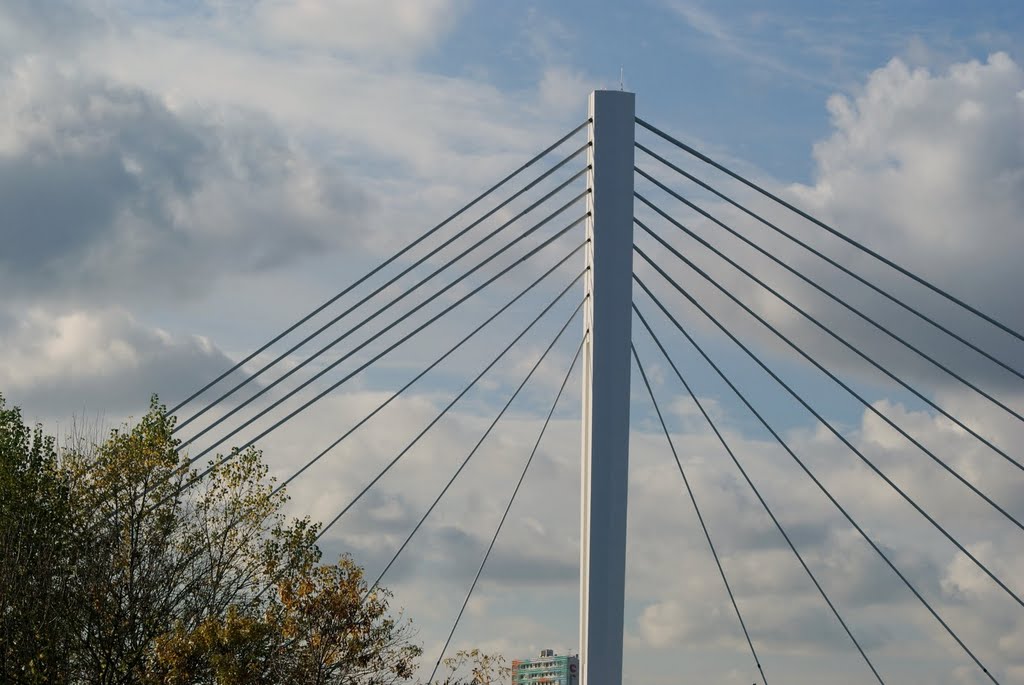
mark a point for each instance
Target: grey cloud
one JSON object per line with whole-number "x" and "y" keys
{"x": 444, "y": 551}
{"x": 103, "y": 150}
{"x": 52, "y": 25}
{"x": 514, "y": 567}
{"x": 107, "y": 191}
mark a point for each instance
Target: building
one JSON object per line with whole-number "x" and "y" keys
{"x": 548, "y": 669}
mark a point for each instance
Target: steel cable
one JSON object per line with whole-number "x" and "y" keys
{"x": 440, "y": 416}
{"x": 829, "y": 260}
{"x": 867, "y": 405}
{"x": 817, "y": 222}
{"x": 476, "y": 447}
{"x": 809, "y": 473}
{"x": 380, "y": 310}
{"x": 828, "y": 293}
{"x": 786, "y": 447}
{"x": 476, "y": 267}
{"x": 434, "y": 364}
{"x": 399, "y": 276}
{"x": 508, "y": 508}
{"x": 337, "y": 384}
{"x": 700, "y": 517}
{"x": 383, "y": 264}
{"x": 842, "y": 438}
{"x": 817, "y": 253}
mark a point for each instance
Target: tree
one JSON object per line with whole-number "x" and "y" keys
{"x": 146, "y": 581}
{"x": 317, "y": 630}
{"x": 139, "y": 570}
{"x": 35, "y": 551}
{"x": 474, "y": 667}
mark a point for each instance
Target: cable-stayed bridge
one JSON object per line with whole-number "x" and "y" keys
{"x": 605, "y": 238}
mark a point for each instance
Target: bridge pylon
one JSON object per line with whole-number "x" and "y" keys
{"x": 606, "y": 384}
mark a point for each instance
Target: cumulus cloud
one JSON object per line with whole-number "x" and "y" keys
{"x": 925, "y": 167}
{"x": 58, "y": 364}
{"x": 931, "y": 167}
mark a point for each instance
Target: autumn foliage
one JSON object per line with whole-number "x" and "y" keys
{"x": 110, "y": 573}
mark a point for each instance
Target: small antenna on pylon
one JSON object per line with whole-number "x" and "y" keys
{"x": 622, "y": 78}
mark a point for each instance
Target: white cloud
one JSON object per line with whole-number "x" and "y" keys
{"x": 369, "y": 28}
{"x": 58, "y": 363}
{"x": 929, "y": 168}
{"x": 560, "y": 88}
{"x": 926, "y": 168}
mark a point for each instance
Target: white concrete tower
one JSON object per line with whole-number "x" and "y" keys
{"x": 606, "y": 369}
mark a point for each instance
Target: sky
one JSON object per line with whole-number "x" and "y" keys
{"x": 181, "y": 180}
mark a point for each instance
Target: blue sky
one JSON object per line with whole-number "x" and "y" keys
{"x": 180, "y": 180}
{"x": 707, "y": 66}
